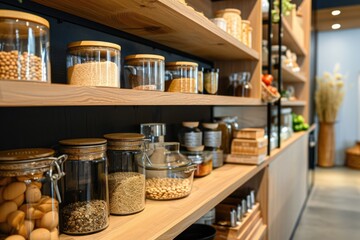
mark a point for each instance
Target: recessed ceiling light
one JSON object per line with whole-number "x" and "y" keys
{"x": 335, "y": 12}
{"x": 336, "y": 26}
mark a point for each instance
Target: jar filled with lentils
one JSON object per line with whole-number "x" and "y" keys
{"x": 85, "y": 206}
{"x": 29, "y": 194}
{"x": 126, "y": 180}
{"x": 24, "y": 47}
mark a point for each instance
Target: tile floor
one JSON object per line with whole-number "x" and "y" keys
{"x": 333, "y": 209}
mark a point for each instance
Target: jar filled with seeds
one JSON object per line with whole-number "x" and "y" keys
{"x": 169, "y": 174}
{"x": 211, "y": 81}
{"x": 29, "y": 194}
{"x": 24, "y": 47}
{"x": 182, "y": 77}
{"x": 93, "y": 63}
{"x": 85, "y": 206}
{"x": 212, "y": 142}
{"x": 233, "y": 21}
{"x": 145, "y": 72}
{"x": 126, "y": 151}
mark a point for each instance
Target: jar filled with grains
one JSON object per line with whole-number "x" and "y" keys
{"x": 29, "y": 194}
{"x": 145, "y": 72}
{"x": 211, "y": 81}
{"x": 233, "y": 21}
{"x": 245, "y": 24}
{"x": 85, "y": 206}
{"x": 24, "y": 47}
{"x": 93, "y": 63}
{"x": 126, "y": 151}
{"x": 183, "y": 77}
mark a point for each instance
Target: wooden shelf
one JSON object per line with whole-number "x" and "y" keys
{"x": 293, "y": 103}
{"x": 30, "y": 94}
{"x": 290, "y": 76}
{"x": 167, "y": 219}
{"x": 170, "y": 23}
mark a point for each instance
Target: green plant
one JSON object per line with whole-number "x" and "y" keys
{"x": 287, "y": 7}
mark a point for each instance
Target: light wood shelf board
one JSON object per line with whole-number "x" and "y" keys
{"x": 30, "y": 94}
{"x": 167, "y": 219}
{"x": 290, "y": 76}
{"x": 170, "y": 23}
{"x": 293, "y": 103}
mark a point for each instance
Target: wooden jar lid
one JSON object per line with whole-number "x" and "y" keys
{"x": 25, "y": 153}
{"x": 93, "y": 44}
{"x": 83, "y": 142}
{"x": 124, "y": 136}
{"x": 24, "y": 16}
{"x": 181, "y": 63}
{"x": 210, "y": 125}
{"x": 190, "y": 124}
{"x": 142, "y": 56}
{"x": 228, "y": 10}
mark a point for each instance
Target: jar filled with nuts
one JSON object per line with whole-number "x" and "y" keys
{"x": 126, "y": 151}
{"x": 85, "y": 206}
{"x": 182, "y": 77}
{"x": 169, "y": 174}
{"x": 29, "y": 196}
{"x": 24, "y": 47}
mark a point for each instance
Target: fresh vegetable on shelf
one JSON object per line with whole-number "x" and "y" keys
{"x": 299, "y": 123}
{"x": 267, "y": 79}
{"x": 287, "y": 6}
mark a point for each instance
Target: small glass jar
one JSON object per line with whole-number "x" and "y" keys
{"x": 155, "y": 132}
{"x": 85, "y": 208}
{"x": 169, "y": 174}
{"x": 145, "y": 72}
{"x": 226, "y": 134}
{"x": 183, "y": 77}
{"x": 211, "y": 81}
{"x": 125, "y": 152}
{"x": 220, "y": 22}
{"x": 244, "y": 88}
{"x": 29, "y": 203}
{"x": 93, "y": 63}
{"x": 250, "y": 30}
{"x": 24, "y": 47}
{"x": 212, "y": 142}
{"x": 245, "y": 24}
{"x": 203, "y": 160}
{"x": 233, "y": 21}
{"x": 201, "y": 80}
{"x": 190, "y": 135}
{"x": 265, "y": 52}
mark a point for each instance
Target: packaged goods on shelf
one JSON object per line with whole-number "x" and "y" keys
{"x": 249, "y": 133}
{"x": 249, "y": 147}
{"x": 245, "y": 159}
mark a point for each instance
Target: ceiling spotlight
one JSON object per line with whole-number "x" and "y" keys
{"x": 336, "y": 26}
{"x": 335, "y": 12}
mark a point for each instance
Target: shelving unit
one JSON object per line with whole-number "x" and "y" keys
{"x": 291, "y": 77}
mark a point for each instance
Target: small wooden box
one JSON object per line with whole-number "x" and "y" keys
{"x": 249, "y": 133}
{"x": 245, "y": 159}
{"x": 249, "y": 146}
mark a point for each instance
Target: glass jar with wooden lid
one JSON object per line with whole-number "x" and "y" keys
{"x": 126, "y": 151}
{"x": 85, "y": 206}
{"x": 245, "y": 24}
{"x": 29, "y": 193}
{"x": 212, "y": 142}
{"x": 93, "y": 63}
{"x": 24, "y": 47}
{"x": 183, "y": 77}
{"x": 190, "y": 135}
{"x": 202, "y": 159}
{"x": 232, "y": 17}
{"x": 145, "y": 72}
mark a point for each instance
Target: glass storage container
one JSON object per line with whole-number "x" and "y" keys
{"x": 24, "y": 47}
{"x": 239, "y": 84}
{"x": 226, "y": 134}
{"x": 169, "y": 174}
{"x": 190, "y": 135}
{"x": 183, "y": 77}
{"x": 145, "y": 72}
{"x": 211, "y": 81}
{"x": 125, "y": 152}
{"x": 245, "y": 25}
{"x": 202, "y": 159}
{"x": 85, "y": 206}
{"x": 220, "y": 22}
{"x": 93, "y": 63}
{"x": 155, "y": 132}
{"x": 29, "y": 193}
{"x": 212, "y": 142}
{"x": 201, "y": 80}
{"x": 233, "y": 21}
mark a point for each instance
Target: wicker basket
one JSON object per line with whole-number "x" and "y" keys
{"x": 353, "y": 156}
{"x": 268, "y": 96}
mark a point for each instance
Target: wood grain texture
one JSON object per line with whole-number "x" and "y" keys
{"x": 15, "y": 94}
{"x": 170, "y": 23}
{"x": 293, "y": 103}
{"x": 349, "y": 18}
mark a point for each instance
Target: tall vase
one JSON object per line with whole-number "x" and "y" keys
{"x": 326, "y": 146}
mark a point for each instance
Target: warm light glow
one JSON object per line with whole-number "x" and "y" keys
{"x": 336, "y": 26}
{"x": 335, "y": 12}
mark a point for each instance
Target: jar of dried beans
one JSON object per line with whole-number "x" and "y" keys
{"x": 85, "y": 206}
{"x": 24, "y": 47}
{"x": 145, "y": 72}
{"x": 93, "y": 63}
{"x": 183, "y": 77}
{"x": 29, "y": 194}
{"x": 126, "y": 151}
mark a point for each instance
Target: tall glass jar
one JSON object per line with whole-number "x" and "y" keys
{"x": 190, "y": 135}
{"x": 233, "y": 21}
{"x": 183, "y": 77}
{"x": 125, "y": 152}
{"x": 24, "y": 47}
{"x": 245, "y": 24}
{"x": 212, "y": 142}
{"x": 85, "y": 208}
{"x": 211, "y": 81}
{"x": 93, "y": 63}
{"x": 145, "y": 72}
{"x": 29, "y": 194}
